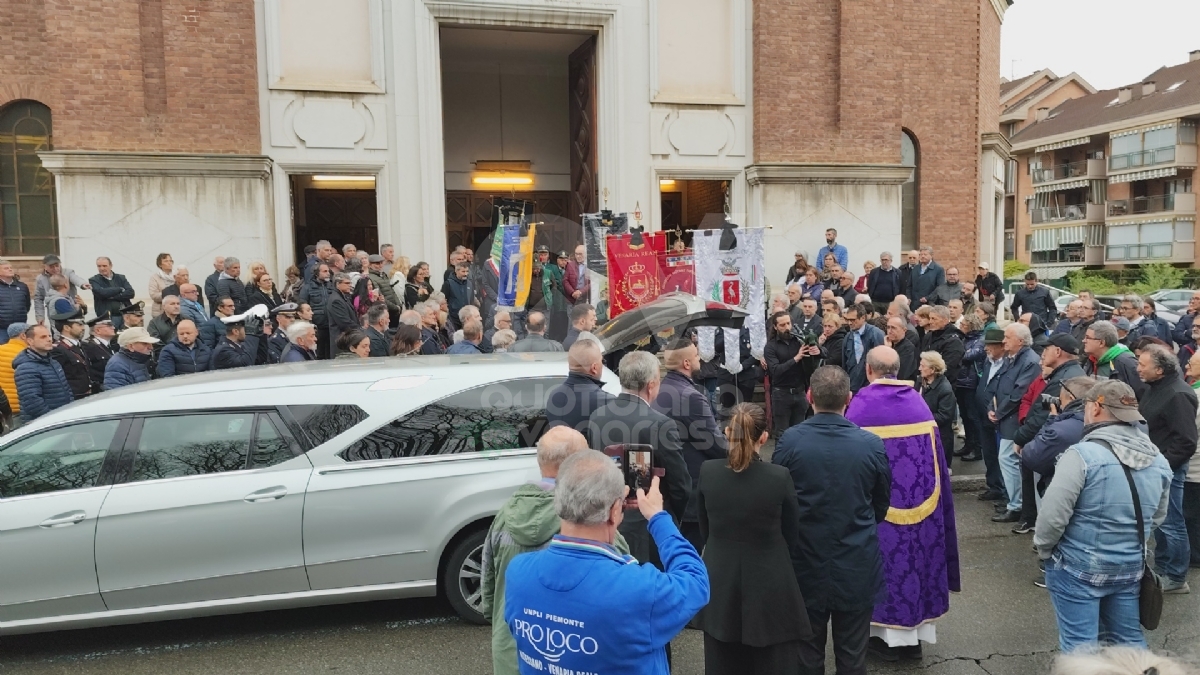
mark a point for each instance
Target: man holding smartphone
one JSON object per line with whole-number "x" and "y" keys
{"x": 783, "y": 355}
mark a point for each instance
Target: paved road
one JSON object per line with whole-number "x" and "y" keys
{"x": 1001, "y": 624}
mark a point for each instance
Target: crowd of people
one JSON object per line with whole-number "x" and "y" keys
{"x": 1086, "y": 425}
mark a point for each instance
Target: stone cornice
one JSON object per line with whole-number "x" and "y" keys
{"x": 997, "y": 143}
{"x": 846, "y": 174}
{"x": 88, "y": 163}
{"x": 1001, "y": 6}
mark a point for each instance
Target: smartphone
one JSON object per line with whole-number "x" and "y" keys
{"x": 639, "y": 468}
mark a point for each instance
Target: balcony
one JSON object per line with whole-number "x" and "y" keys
{"x": 1067, "y": 213}
{"x": 1085, "y": 168}
{"x": 1165, "y": 252}
{"x": 1181, "y": 202}
{"x": 1183, "y": 154}
{"x": 1167, "y": 240}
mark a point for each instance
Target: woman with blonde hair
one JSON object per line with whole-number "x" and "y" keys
{"x": 939, "y": 396}
{"x": 833, "y": 334}
{"x": 750, "y": 519}
{"x": 861, "y": 284}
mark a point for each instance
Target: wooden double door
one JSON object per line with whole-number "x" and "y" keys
{"x": 340, "y": 216}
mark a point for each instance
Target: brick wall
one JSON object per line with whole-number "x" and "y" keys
{"x": 704, "y": 197}
{"x": 156, "y": 75}
{"x": 837, "y": 81}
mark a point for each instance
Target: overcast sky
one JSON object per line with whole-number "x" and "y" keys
{"x": 1109, "y": 42}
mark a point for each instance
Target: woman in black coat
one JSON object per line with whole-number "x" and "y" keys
{"x": 939, "y": 396}
{"x": 264, "y": 292}
{"x": 750, "y": 519}
{"x": 833, "y": 334}
{"x": 417, "y": 289}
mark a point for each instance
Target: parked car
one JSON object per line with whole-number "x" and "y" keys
{"x": 265, "y": 488}
{"x": 1174, "y": 300}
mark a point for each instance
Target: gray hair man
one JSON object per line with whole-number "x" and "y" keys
{"x": 525, "y": 523}
{"x": 1108, "y": 359}
{"x": 1169, "y": 406}
{"x": 582, "y": 588}
{"x": 1022, "y": 367}
{"x": 629, "y": 419}
{"x": 926, "y": 276}
{"x": 302, "y": 343}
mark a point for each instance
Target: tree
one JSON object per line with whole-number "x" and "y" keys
{"x": 1156, "y": 277}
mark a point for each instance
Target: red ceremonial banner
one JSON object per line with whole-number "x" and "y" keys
{"x": 634, "y": 272}
{"x": 679, "y": 271}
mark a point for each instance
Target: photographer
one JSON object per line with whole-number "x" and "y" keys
{"x": 1061, "y": 358}
{"x": 783, "y": 355}
{"x": 1063, "y": 428}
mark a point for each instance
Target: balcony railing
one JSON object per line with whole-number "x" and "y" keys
{"x": 1133, "y": 160}
{"x": 1059, "y": 214}
{"x": 1061, "y": 171}
{"x": 1140, "y": 252}
{"x": 1139, "y": 205}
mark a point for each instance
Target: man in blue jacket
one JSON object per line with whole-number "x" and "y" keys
{"x": 15, "y": 300}
{"x": 573, "y": 402}
{"x": 1022, "y": 366}
{"x": 579, "y": 605}
{"x": 41, "y": 384}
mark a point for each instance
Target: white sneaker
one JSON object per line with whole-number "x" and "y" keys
{"x": 1175, "y": 587}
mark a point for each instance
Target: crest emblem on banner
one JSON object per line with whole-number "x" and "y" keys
{"x": 639, "y": 284}
{"x": 731, "y": 284}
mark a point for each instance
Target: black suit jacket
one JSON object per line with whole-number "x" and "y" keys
{"x": 381, "y": 343}
{"x": 573, "y": 402}
{"x": 98, "y": 354}
{"x": 699, "y": 436}
{"x": 76, "y": 367}
{"x": 629, "y": 419}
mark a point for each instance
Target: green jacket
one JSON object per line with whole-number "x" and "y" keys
{"x": 384, "y": 285}
{"x": 526, "y": 522}
{"x": 552, "y": 288}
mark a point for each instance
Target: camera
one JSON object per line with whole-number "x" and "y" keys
{"x": 1048, "y": 400}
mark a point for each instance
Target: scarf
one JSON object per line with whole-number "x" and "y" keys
{"x": 169, "y": 276}
{"x": 1112, "y": 353}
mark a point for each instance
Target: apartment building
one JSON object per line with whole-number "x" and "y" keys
{"x": 1105, "y": 180}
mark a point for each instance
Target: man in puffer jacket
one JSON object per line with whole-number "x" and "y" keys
{"x": 185, "y": 354}
{"x": 131, "y": 365}
{"x": 525, "y": 523}
{"x": 9, "y": 351}
{"x": 41, "y": 384}
{"x": 1061, "y": 431}
{"x": 14, "y": 302}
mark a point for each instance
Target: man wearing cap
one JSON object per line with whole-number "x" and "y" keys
{"x": 110, "y": 290}
{"x": 232, "y": 351}
{"x": 536, "y": 292}
{"x": 989, "y": 440}
{"x": 990, "y": 287}
{"x": 69, "y": 354}
{"x": 14, "y": 301}
{"x": 282, "y": 317}
{"x": 1022, "y": 366}
{"x": 1123, "y": 328}
{"x": 52, "y": 265}
{"x": 133, "y": 315}
{"x": 131, "y": 365}
{"x": 1061, "y": 358}
{"x": 379, "y": 276}
{"x": 1088, "y": 531}
{"x": 41, "y": 384}
{"x": 1169, "y": 406}
{"x": 340, "y": 312}
{"x": 99, "y": 348}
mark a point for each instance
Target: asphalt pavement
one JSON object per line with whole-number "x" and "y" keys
{"x": 1001, "y": 624}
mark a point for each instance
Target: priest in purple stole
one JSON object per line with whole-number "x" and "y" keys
{"x": 917, "y": 541}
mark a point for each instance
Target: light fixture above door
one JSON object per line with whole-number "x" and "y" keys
{"x": 503, "y": 172}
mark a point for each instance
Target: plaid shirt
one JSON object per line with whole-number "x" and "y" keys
{"x": 1096, "y": 579}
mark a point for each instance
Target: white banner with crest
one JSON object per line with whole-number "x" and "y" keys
{"x": 735, "y": 277}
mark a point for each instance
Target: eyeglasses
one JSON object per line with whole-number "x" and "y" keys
{"x": 1089, "y": 337}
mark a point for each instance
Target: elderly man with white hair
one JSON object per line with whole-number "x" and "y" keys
{"x": 302, "y": 343}
{"x": 525, "y": 523}
{"x": 628, "y": 418}
{"x": 1022, "y": 366}
{"x": 580, "y": 606}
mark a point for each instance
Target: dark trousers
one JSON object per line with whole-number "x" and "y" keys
{"x": 968, "y": 407}
{"x": 787, "y": 408}
{"x": 323, "y": 343}
{"x": 851, "y": 631}
{"x": 1028, "y": 500}
{"x": 946, "y": 431}
{"x": 1191, "y": 516}
{"x": 989, "y": 440}
{"x": 739, "y": 659}
{"x": 559, "y": 324}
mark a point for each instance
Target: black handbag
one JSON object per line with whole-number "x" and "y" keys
{"x": 1150, "y": 599}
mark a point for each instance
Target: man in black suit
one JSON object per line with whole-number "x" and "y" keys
{"x": 844, "y": 487}
{"x": 377, "y": 329}
{"x": 699, "y": 436}
{"x": 99, "y": 348}
{"x": 628, "y": 418}
{"x": 69, "y": 352}
{"x": 111, "y": 291}
{"x": 573, "y": 402}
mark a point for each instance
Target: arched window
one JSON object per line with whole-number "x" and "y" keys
{"x": 910, "y": 191}
{"x": 28, "y": 220}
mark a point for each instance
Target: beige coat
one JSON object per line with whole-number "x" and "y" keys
{"x": 157, "y": 284}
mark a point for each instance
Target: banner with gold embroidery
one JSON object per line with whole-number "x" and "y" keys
{"x": 634, "y": 271}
